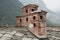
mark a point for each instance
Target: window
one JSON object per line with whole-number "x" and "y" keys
{"x": 34, "y": 24}
{"x": 41, "y": 17}
{"x": 26, "y": 19}
{"x": 34, "y": 17}
{"x": 20, "y": 20}
{"x": 33, "y": 10}
{"x": 26, "y": 11}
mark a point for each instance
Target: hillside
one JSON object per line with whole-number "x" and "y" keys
{"x": 8, "y": 11}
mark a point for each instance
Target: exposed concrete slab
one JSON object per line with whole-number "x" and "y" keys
{"x": 5, "y": 38}
{"x": 1, "y": 35}
{"x": 2, "y": 39}
{"x": 35, "y": 39}
{"x": 2, "y": 32}
{"x": 8, "y": 32}
{"x": 30, "y": 36}
{"x": 17, "y": 38}
{"x": 26, "y": 39}
{"x": 13, "y": 32}
{"x": 7, "y": 35}
{"x": 19, "y": 34}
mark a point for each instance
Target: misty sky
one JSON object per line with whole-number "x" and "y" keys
{"x": 53, "y": 5}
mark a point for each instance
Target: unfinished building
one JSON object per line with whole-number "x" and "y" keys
{"x": 34, "y": 18}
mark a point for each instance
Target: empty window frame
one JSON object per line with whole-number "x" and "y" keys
{"x": 34, "y": 17}
{"x": 26, "y": 11}
{"x": 33, "y": 9}
{"x": 20, "y": 20}
{"x": 41, "y": 17}
{"x": 34, "y": 24}
{"x": 27, "y": 19}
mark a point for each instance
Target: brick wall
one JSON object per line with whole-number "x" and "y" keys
{"x": 37, "y": 19}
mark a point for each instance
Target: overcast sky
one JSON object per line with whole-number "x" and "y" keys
{"x": 53, "y": 5}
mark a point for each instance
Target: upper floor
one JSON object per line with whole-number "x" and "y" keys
{"x": 29, "y": 8}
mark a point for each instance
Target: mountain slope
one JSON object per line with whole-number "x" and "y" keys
{"x": 9, "y": 9}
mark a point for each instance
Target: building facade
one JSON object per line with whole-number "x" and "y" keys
{"x": 34, "y": 19}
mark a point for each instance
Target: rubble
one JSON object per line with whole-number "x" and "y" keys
{"x": 26, "y": 35}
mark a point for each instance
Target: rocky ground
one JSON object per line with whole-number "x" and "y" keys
{"x": 53, "y": 33}
{"x": 13, "y": 33}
